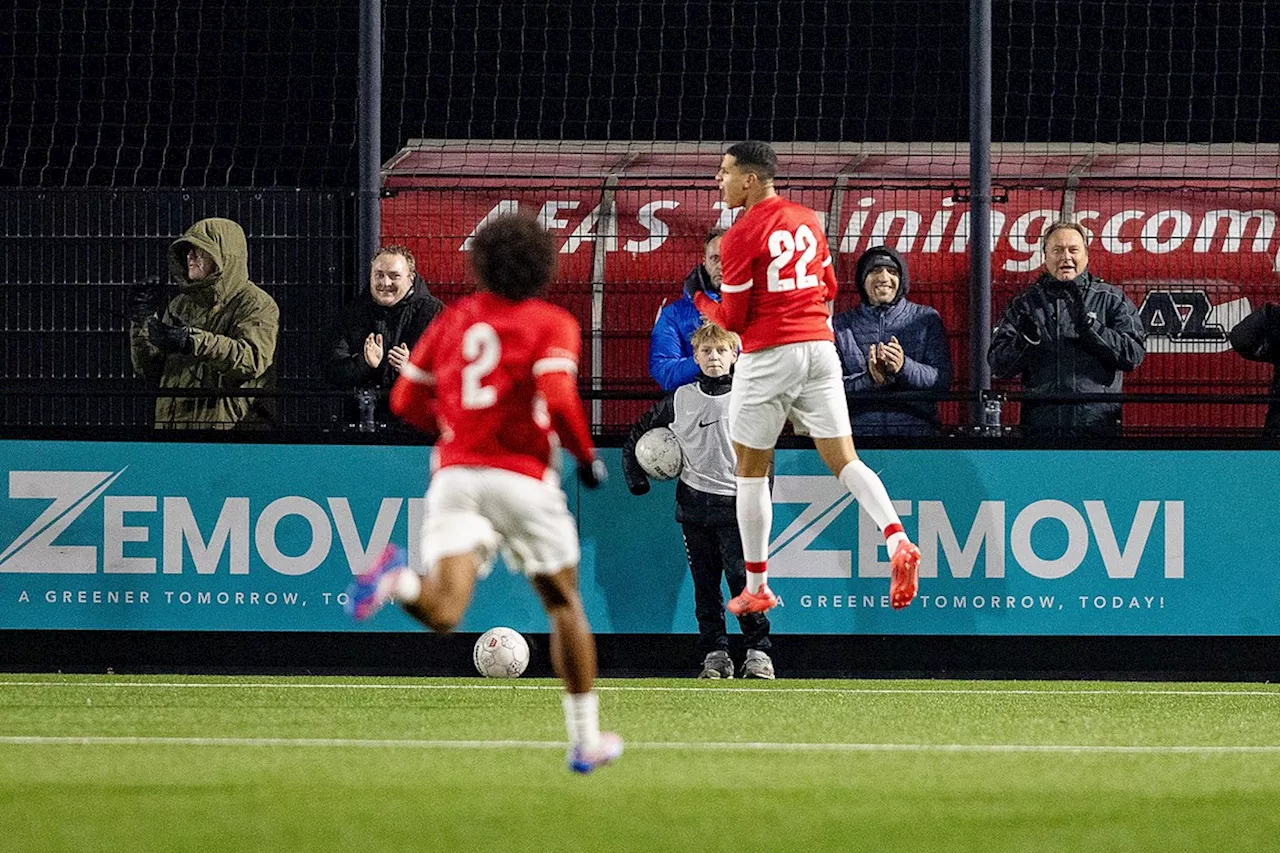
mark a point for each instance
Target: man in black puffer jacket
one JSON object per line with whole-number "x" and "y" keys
{"x": 375, "y": 334}
{"x": 1069, "y": 333}
{"x": 1257, "y": 338}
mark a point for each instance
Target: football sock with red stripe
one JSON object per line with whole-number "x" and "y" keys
{"x": 870, "y": 493}
{"x": 755, "y": 518}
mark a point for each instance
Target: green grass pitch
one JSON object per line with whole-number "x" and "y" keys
{"x": 210, "y": 764}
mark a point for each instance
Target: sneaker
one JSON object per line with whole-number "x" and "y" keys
{"x": 584, "y": 761}
{"x": 757, "y": 665}
{"x": 717, "y": 664}
{"x": 753, "y": 602}
{"x": 369, "y": 591}
{"x": 904, "y": 575}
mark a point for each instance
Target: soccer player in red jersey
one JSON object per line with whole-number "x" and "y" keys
{"x": 495, "y": 373}
{"x": 778, "y": 288}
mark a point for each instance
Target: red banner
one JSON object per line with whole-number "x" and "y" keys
{"x": 1196, "y": 257}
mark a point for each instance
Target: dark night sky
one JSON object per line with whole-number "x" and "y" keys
{"x": 201, "y": 94}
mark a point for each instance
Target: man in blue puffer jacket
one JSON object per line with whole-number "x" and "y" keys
{"x": 889, "y": 345}
{"x": 671, "y": 361}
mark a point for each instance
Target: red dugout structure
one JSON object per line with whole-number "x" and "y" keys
{"x": 1189, "y": 231}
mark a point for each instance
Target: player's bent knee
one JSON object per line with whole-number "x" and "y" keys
{"x": 835, "y": 453}
{"x": 835, "y": 466}
{"x": 752, "y": 461}
{"x": 559, "y": 590}
{"x": 443, "y": 619}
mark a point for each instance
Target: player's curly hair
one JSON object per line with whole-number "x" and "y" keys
{"x": 513, "y": 257}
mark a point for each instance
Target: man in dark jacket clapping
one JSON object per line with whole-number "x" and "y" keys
{"x": 375, "y": 334}
{"x": 889, "y": 346}
{"x": 1068, "y": 333}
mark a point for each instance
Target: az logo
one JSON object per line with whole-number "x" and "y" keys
{"x": 1186, "y": 321}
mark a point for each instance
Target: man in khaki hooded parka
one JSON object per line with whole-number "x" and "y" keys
{"x": 218, "y": 332}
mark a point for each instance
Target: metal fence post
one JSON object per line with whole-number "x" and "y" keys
{"x": 979, "y": 200}
{"x": 369, "y": 136}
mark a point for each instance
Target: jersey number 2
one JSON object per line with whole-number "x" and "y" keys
{"x": 483, "y": 350}
{"x": 783, "y": 246}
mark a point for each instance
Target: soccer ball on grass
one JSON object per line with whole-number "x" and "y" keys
{"x": 501, "y": 653}
{"x": 659, "y": 454}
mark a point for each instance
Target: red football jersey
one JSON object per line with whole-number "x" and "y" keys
{"x": 777, "y": 277}
{"x": 481, "y": 358}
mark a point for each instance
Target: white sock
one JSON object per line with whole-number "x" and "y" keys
{"x": 407, "y": 586}
{"x": 755, "y": 519}
{"x": 870, "y": 493}
{"x": 582, "y": 719}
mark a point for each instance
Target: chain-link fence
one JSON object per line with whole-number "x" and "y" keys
{"x": 1151, "y": 124}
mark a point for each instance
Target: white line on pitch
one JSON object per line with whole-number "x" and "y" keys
{"x": 726, "y": 746}
{"x": 719, "y": 689}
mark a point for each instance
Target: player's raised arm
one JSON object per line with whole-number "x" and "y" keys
{"x": 413, "y": 394}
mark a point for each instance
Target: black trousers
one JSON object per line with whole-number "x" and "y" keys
{"x": 715, "y": 552}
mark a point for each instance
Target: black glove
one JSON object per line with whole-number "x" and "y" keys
{"x": 593, "y": 473}
{"x": 169, "y": 339}
{"x": 1075, "y": 307}
{"x": 145, "y": 298}
{"x": 1028, "y": 327}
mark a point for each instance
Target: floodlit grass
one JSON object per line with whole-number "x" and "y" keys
{"x": 311, "y": 764}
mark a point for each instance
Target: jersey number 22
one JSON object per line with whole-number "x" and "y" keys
{"x": 783, "y": 246}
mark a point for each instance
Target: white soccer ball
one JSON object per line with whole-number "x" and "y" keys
{"x": 501, "y": 653}
{"x": 659, "y": 454}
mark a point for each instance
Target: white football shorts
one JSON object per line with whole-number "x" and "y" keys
{"x": 490, "y": 509}
{"x": 801, "y": 381}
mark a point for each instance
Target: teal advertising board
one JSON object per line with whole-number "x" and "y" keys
{"x": 188, "y": 536}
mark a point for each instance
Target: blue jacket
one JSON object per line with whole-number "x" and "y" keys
{"x": 878, "y": 409}
{"x": 670, "y": 354}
